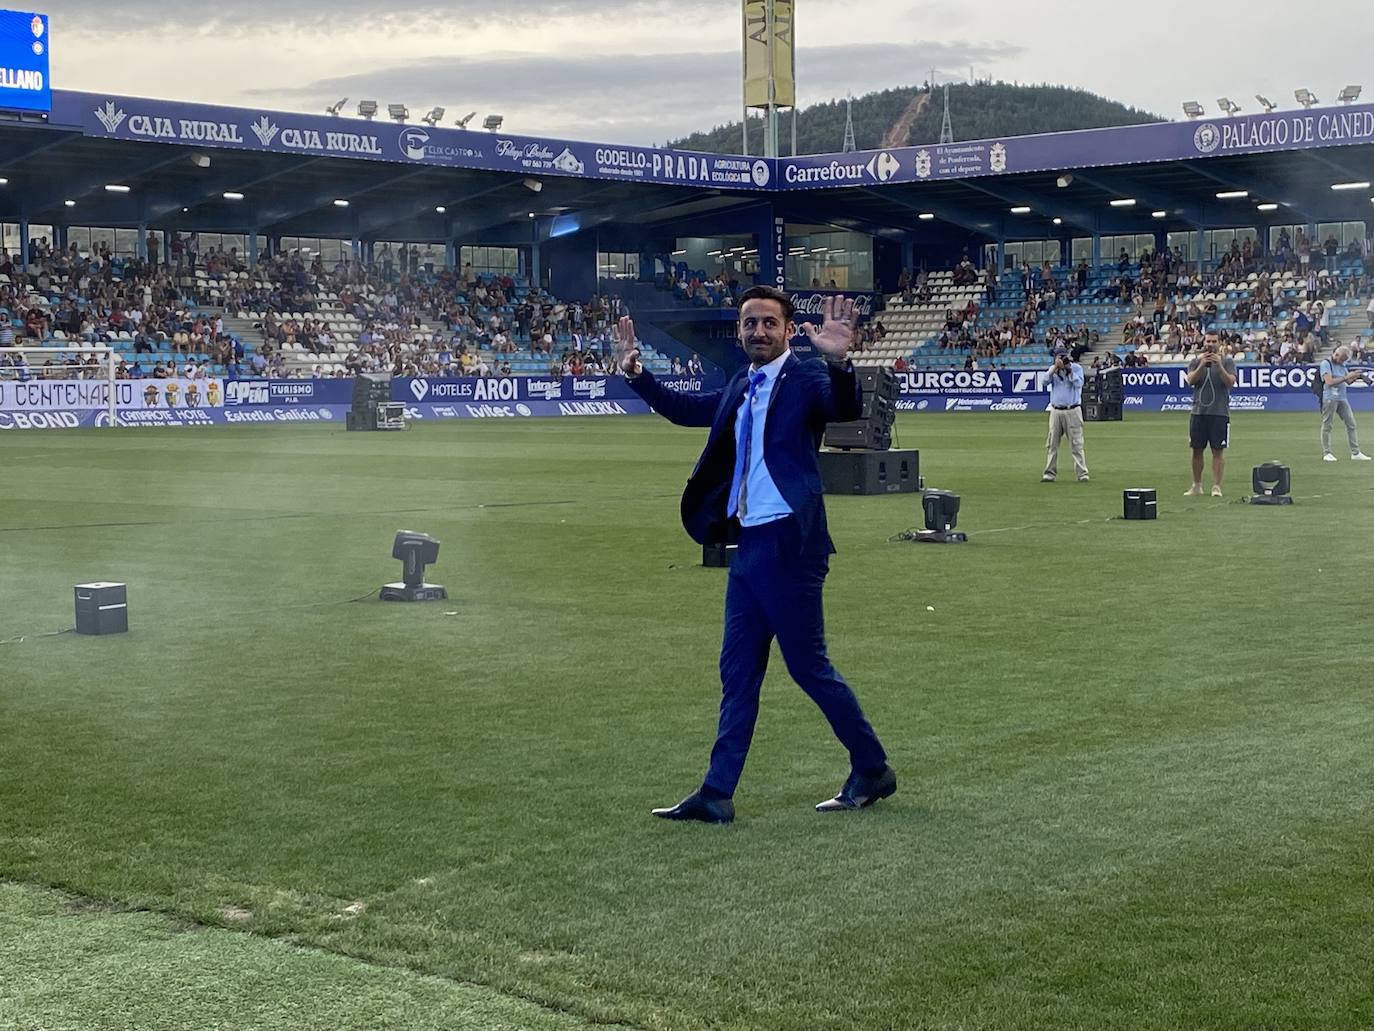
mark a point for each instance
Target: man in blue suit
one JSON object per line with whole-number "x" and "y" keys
{"x": 758, "y": 484}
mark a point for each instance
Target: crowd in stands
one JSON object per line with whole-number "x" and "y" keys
{"x": 477, "y": 322}
{"x": 95, "y": 298}
{"x": 967, "y": 330}
{"x": 472, "y": 324}
{"x": 1173, "y": 304}
{"x": 697, "y": 287}
{"x": 413, "y": 318}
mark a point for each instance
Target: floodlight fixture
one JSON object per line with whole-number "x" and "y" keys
{"x": 462, "y": 123}
{"x": 117, "y": 188}
{"x": 1228, "y": 106}
{"x": 493, "y": 122}
{"x": 397, "y": 112}
{"x": 1265, "y": 103}
{"x": 533, "y": 185}
{"x": 1123, "y": 202}
{"x": 1232, "y": 194}
{"x": 1363, "y": 185}
{"x": 333, "y": 109}
{"x": 1064, "y": 180}
{"x": 4, "y": 181}
{"x": 440, "y": 209}
{"x": 1058, "y": 221}
{"x": 1267, "y": 206}
{"x": 1271, "y": 483}
{"x": 1306, "y": 97}
{"x": 1350, "y": 94}
{"x": 941, "y": 511}
{"x": 232, "y": 195}
{"x": 1159, "y": 214}
{"x": 926, "y": 216}
{"x": 414, "y": 551}
{"x": 367, "y": 109}
{"x": 1193, "y": 109}
{"x": 433, "y": 118}
{"x": 69, "y": 203}
{"x": 1021, "y": 209}
{"x": 339, "y": 202}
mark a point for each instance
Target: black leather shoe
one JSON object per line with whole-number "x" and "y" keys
{"x": 859, "y": 791}
{"x": 694, "y": 807}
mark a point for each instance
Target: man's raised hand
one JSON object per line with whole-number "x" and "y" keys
{"x": 836, "y": 332}
{"x": 626, "y": 348}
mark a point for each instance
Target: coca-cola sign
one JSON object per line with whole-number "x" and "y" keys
{"x": 814, "y": 304}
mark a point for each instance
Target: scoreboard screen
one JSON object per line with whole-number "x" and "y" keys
{"x": 24, "y": 84}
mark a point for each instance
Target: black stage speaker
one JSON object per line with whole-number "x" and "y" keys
{"x": 1105, "y": 386}
{"x": 1101, "y": 411}
{"x": 1139, "y": 503}
{"x": 873, "y": 429}
{"x": 102, "y": 608}
{"x": 870, "y": 472}
{"x": 372, "y": 408}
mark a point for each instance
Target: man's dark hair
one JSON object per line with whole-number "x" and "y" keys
{"x": 768, "y": 293}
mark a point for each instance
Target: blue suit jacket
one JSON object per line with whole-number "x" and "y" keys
{"x": 808, "y": 393}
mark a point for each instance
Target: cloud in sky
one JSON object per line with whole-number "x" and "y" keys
{"x": 645, "y": 70}
{"x": 635, "y": 98}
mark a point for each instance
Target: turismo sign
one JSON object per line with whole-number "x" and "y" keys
{"x": 24, "y": 84}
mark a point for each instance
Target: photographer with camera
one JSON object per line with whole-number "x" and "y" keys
{"x": 1211, "y": 375}
{"x": 1336, "y": 376}
{"x": 1064, "y": 380}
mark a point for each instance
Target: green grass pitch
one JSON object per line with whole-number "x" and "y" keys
{"x": 1136, "y": 773}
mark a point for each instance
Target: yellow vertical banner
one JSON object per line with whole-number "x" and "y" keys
{"x": 759, "y": 49}
{"x": 755, "y": 53}
{"x": 784, "y": 55}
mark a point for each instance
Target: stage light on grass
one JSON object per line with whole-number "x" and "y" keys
{"x": 415, "y": 551}
{"x": 1271, "y": 483}
{"x": 941, "y": 510}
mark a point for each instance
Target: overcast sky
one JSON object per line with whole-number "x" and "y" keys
{"x": 642, "y": 71}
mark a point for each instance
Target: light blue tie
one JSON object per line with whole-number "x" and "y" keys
{"x": 742, "y": 445}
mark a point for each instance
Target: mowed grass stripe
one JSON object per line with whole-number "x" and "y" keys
{"x": 72, "y": 964}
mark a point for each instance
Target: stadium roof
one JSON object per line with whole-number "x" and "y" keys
{"x": 291, "y": 168}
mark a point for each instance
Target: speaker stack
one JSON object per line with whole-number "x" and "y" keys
{"x": 373, "y": 408}
{"x": 1103, "y": 397}
{"x": 861, "y": 460}
{"x": 872, "y": 431}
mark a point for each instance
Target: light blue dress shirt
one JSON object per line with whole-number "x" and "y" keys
{"x": 1331, "y": 368}
{"x": 761, "y": 501}
{"x": 1066, "y": 390}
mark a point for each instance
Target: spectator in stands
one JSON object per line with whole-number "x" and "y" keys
{"x": 1336, "y": 376}
{"x": 694, "y": 366}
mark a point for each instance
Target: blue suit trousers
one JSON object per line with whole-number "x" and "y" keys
{"x": 775, "y": 591}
